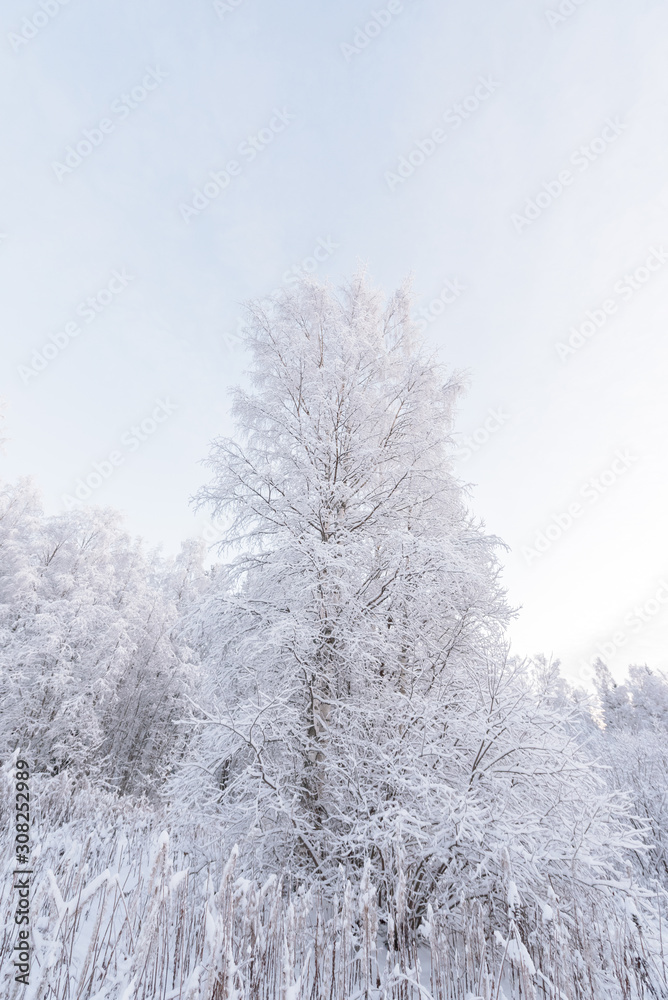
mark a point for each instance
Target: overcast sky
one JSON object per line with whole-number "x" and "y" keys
{"x": 512, "y": 156}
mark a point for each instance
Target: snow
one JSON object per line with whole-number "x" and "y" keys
{"x": 268, "y": 775}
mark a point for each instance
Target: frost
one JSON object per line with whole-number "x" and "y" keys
{"x": 314, "y": 770}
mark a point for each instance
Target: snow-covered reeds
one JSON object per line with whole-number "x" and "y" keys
{"x": 122, "y": 911}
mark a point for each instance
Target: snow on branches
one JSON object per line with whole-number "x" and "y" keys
{"x": 360, "y": 704}
{"x": 92, "y": 672}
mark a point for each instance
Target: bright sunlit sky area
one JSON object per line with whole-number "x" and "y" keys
{"x": 512, "y": 157}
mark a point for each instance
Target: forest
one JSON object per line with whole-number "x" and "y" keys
{"x": 305, "y": 762}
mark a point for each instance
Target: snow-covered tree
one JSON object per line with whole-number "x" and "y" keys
{"x": 634, "y": 745}
{"x": 361, "y": 703}
{"x": 92, "y": 671}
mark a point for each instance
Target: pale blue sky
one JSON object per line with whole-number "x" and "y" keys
{"x": 220, "y": 77}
